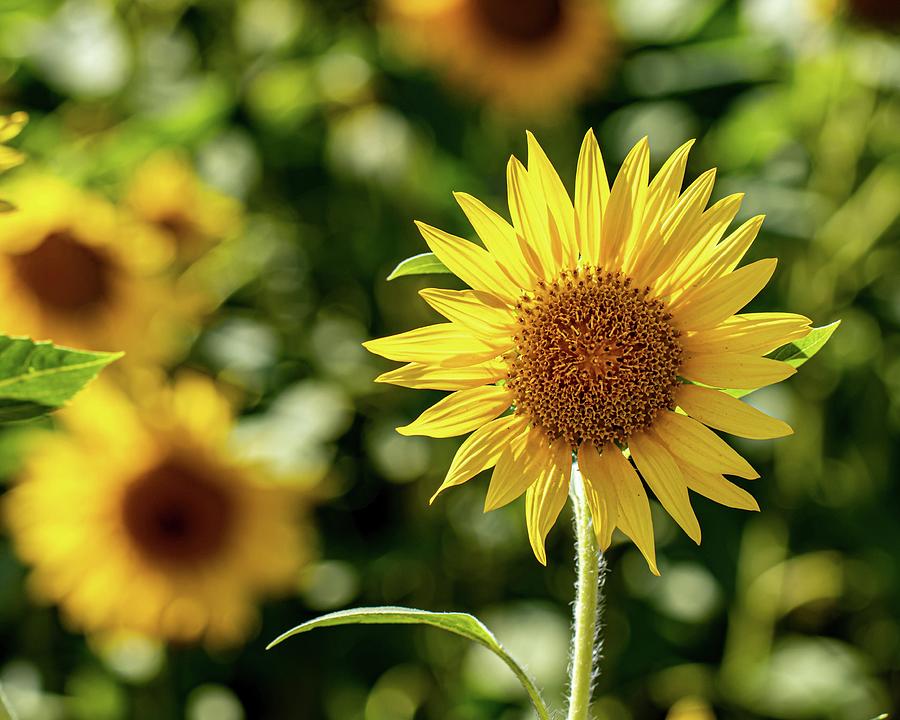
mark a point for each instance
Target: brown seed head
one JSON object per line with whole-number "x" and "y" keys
{"x": 595, "y": 358}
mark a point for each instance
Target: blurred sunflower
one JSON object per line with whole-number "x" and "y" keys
{"x": 520, "y": 55}
{"x": 73, "y": 271}
{"x": 594, "y": 322}
{"x": 166, "y": 193}
{"x": 139, "y": 519}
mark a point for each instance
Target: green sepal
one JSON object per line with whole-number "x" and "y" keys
{"x": 798, "y": 352}
{"x": 424, "y": 264}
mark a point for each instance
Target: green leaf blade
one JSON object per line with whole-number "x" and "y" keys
{"x": 461, "y": 624}
{"x": 424, "y": 264}
{"x": 797, "y": 353}
{"x": 39, "y": 377}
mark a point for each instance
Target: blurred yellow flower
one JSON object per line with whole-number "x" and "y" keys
{"x": 593, "y": 322}
{"x": 72, "y": 270}
{"x": 10, "y": 126}
{"x": 691, "y": 708}
{"x": 139, "y": 519}
{"x": 166, "y": 192}
{"x": 532, "y": 56}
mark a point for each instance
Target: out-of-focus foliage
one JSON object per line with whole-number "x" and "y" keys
{"x": 317, "y": 138}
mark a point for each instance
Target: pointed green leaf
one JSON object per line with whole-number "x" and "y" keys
{"x": 797, "y": 353}
{"x": 6, "y": 711}
{"x": 460, "y": 624}
{"x": 424, "y": 264}
{"x": 38, "y": 377}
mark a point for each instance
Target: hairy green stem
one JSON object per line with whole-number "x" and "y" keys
{"x": 588, "y": 600}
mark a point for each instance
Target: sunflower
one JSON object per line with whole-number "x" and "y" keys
{"x": 166, "y": 193}
{"x": 610, "y": 329}
{"x": 74, "y": 271}
{"x": 138, "y": 519}
{"x": 520, "y": 55}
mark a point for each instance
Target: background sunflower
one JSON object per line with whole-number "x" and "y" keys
{"x": 330, "y": 140}
{"x": 75, "y": 271}
{"x": 524, "y": 56}
{"x": 139, "y": 519}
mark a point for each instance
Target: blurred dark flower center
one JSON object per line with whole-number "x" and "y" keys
{"x": 176, "y": 515}
{"x": 179, "y": 226}
{"x": 884, "y": 14}
{"x": 520, "y": 21}
{"x": 597, "y": 359}
{"x": 65, "y": 274}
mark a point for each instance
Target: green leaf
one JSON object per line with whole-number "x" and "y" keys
{"x": 424, "y": 264}
{"x": 6, "y": 711}
{"x": 460, "y": 624}
{"x": 39, "y": 377}
{"x": 797, "y": 353}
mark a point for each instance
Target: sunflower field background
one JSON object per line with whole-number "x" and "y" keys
{"x": 219, "y": 188}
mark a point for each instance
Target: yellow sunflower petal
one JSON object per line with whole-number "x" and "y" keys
{"x": 662, "y": 194}
{"x": 469, "y": 262}
{"x": 481, "y": 450}
{"x": 517, "y": 468}
{"x": 727, "y": 413}
{"x": 529, "y": 218}
{"x": 732, "y": 370}
{"x": 751, "y": 334}
{"x": 546, "y": 496}
{"x": 460, "y": 412}
{"x": 707, "y": 233}
{"x": 435, "y": 344}
{"x": 699, "y": 446}
{"x": 559, "y": 205}
{"x": 600, "y": 491}
{"x": 10, "y": 158}
{"x": 662, "y": 474}
{"x": 625, "y": 209}
{"x": 666, "y": 185}
{"x": 710, "y": 304}
{"x": 487, "y": 317}
{"x": 591, "y": 197}
{"x": 666, "y": 244}
{"x": 11, "y": 125}
{"x": 431, "y": 377}
{"x": 717, "y": 488}
{"x": 633, "y": 516}
{"x": 499, "y": 237}
{"x": 732, "y": 249}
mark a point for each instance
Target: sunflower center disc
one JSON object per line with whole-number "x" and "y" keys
{"x": 176, "y": 515}
{"x": 596, "y": 360}
{"x": 180, "y": 226}
{"x": 65, "y": 274}
{"x": 520, "y": 21}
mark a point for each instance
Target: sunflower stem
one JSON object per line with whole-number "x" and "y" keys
{"x": 586, "y": 641}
